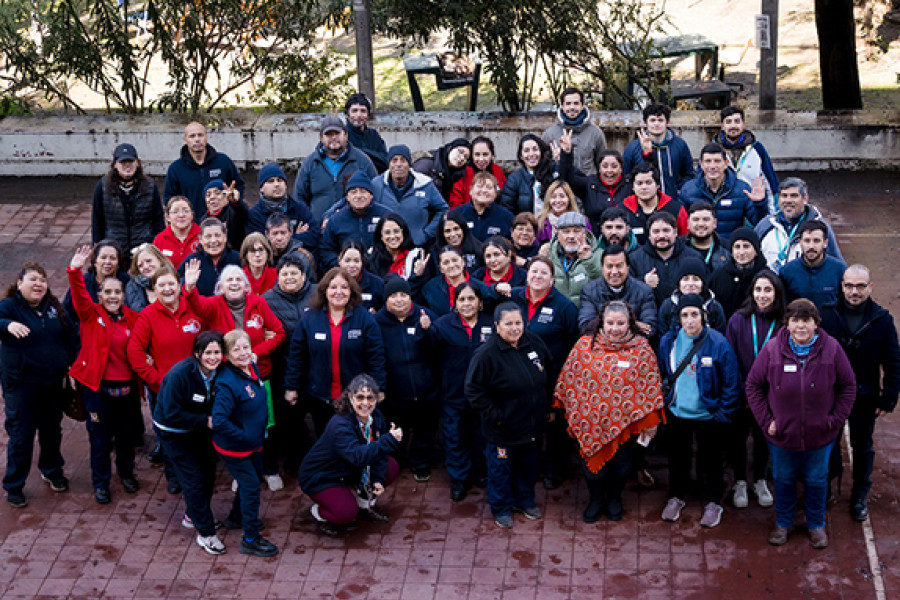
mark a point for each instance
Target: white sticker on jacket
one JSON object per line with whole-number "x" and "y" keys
{"x": 790, "y": 368}
{"x": 706, "y": 361}
{"x": 354, "y": 334}
{"x": 321, "y": 337}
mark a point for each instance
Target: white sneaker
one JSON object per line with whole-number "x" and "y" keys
{"x": 672, "y": 510}
{"x": 314, "y": 510}
{"x": 275, "y": 482}
{"x": 211, "y": 544}
{"x": 186, "y": 522}
{"x": 763, "y": 495}
{"x": 234, "y": 486}
{"x": 712, "y": 515}
{"x": 740, "y": 494}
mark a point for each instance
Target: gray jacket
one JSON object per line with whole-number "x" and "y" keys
{"x": 635, "y": 293}
{"x": 588, "y": 141}
{"x": 318, "y": 188}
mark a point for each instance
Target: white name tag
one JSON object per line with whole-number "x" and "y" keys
{"x": 420, "y": 194}
{"x": 580, "y": 277}
{"x": 486, "y": 330}
{"x": 411, "y": 330}
{"x": 354, "y": 334}
{"x": 493, "y": 230}
{"x": 321, "y": 336}
{"x": 470, "y": 224}
{"x": 624, "y": 364}
{"x": 167, "y": 253}
{"x": 215, "y": 173}
{"x": 638, "y": 230}
{"x": 198, "y": 398}
{"x": 372, "y": 227}
{"x": 532, "y": 355}
{"x": 725, "y": 203}
{"x": 790, "y": 368}
{"x": 706, "y": 361}
{"x": 366, "y": 297}
{"x": 546, "y": 311}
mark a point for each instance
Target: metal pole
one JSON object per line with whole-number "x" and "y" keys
{"x": 768, "y": 58}
{"x": 364, "y": 64}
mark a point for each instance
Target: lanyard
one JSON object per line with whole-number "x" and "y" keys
{"x": 756, "y": 345}
{"x": 709, "y": 253}
{"x": 782, "y": 253}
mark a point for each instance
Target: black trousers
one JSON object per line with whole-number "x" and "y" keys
{"x": 194, "y": 461}
{"x": 31, "y": 409}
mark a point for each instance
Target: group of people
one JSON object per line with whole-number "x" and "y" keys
{"x": 589, "y": 302}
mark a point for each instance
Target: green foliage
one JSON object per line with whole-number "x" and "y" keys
{"x": 303, "y": 82}
{"x": 12, "y": 106}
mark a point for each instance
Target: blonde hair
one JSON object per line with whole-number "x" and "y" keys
{"x": 545, "y": 209}
{"x": 232, "y": 338}
{"x": 147, "y": 247}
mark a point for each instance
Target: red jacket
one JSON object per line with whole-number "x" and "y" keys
{"x": 89, "y": 367}
{"x": 258, "y": 319}
{"x": 461, "y": 192}
{"x": 173, "y": 248}
{"x": 265, "y": 283}
{"x": 166, "y": 336}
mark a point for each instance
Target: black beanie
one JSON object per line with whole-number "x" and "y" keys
{"x": 687, "y": 300}
{"x": 395, "y": 283}
{"x": 744, "y": 233}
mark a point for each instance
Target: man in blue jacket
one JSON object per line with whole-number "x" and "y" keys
{"x": 356, "y": 221}
{"x": 815, "y": 275}
{"x": 699, "y": 404}
{"x": 320, "y": 181}
{"x": 411, "y": 194}
{"x": 198, "y": 165}
{"x": 358, "y": 110}
{"x": 274, "y": 200}
{"x": 658, "y": 145}
{"x": 736, "y": 203}
{"x": 746, "y": 155}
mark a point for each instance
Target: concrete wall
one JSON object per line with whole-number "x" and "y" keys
{"x": 61, "y": 145}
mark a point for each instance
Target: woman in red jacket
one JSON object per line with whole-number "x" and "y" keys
{"x": 110, "y": 386}
{"x": 180, "y": 238}
{"x": 256, "y": 258}
{"x": 163, "y": 335}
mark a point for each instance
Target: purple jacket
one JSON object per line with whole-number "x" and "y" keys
{"x": 810, "y": 403}
{"x": 740, "y": 335}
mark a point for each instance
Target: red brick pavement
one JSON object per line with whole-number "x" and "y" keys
{"x": 67, "y": 546}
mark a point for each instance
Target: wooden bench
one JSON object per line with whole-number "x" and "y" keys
{"x": 428, "y": 64}
{"x": 713, "y": 94}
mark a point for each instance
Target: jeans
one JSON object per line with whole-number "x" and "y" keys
{"x": 809, "y": 466}
{"x": 111, "y": 423}
{"x": 194, "y": 459}
{"x": 247, "y": 470}
{"x": 463, "y": 442}
{"x": 680, "y": 434}
{"x": 512, "y": 473}
{"x": 32, "y": 409}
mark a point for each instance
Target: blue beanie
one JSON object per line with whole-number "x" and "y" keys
{"x": 214, "y": 184}
{"x": 268, "y": 172}
{"x": 360, "y": 180}
{"x": 400, "y": 150}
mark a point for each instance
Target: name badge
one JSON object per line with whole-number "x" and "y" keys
{"x": 372, "y": 227}
{"x": 411, "y": 330}
{"x": 354, "y": 334}
{"x": 546, "y": 311}
{"x": 376, "y": 219}
{"x": 167, "y": 253}
{"x": 706, "y": 361}
{"x": 638, "y": 230}
{"x": 623, "y": 364}
{"x": 532, "y": 355}
{"x": 486, "y": 330}
{"x": 790, "y": 368}
{"x": 420, "y": 194}
{"x": 580, "y": 277}
{"x": 198, "y": 398}
{"x": 321, "y": 337}
{"x": 215, "y": 173}
{"x": 470, "y": 224}
{"x": 366, "y": 297}
{"x": 493, "y": 230}
{"x": 725, "y": 203}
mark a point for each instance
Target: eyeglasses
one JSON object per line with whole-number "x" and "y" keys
{"x": 180, "y": 211}
{"x": 256, "y": 251}
{"x": 859, "y": 287}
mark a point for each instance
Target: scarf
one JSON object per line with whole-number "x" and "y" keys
{"x": 573, "y": 122}
{"x": 237, "y": 311}
{"x": 611, "y": 392}
{"x": 274, "y": 205}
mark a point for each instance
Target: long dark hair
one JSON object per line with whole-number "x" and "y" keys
{"x": 13, "y": 290}
{"x": 595, "y": 324}
{"x": 778, "y": 305}
{"x": 342, "y": 405}
{"x": 470, "y": 244}
{"x": 544, "y": 170}
{"x": 318, "y": 299}
{"x": 379, "y": 260}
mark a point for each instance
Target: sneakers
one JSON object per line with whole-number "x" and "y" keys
{"x": 16, "y": 499}
{"x": 58, "y": 483}
{"x": 259, "y": 547}
{"x": 130, "y": 485}
{"x": 712, "y": 515}
{"x": 818, "y": 539}
{"x": 187, "y": 523}
{"x": 422, "y": 475}
{"x": 739, "y": 499}
{"x": 672, "y": 510}
{"x": 210, "y": 543}
{"x": 504, "y": 521}
{"x": 274, "y": 482}
{"x": 532, "y": 513}
{"x": 645, "y": 479}
{"x": 779, "y": 535}
{"x": 314, "y": 511}
{"x": 102, "y": 495}
{"x": 859, "y": 510}
{"x": 763, "y": 495}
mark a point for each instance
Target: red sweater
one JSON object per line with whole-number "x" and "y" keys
{"x": 265, "y": 283}
{"x": 166, "y": 336}
{"x": 462, "y": 189}
{"x": 258, "y": 318}
{"x": 96, "y": 333}
{"x": 173, "y": 248}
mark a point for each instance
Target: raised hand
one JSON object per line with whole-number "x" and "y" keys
{"x": 81, "y": 257}
{"x": 646, "y": 142}
{"x": 652, "y": 278}
{"x": 232, "y": 194}
{"x": 421, "y": 264}
{"x": 396, "y": 432}
{"x": 424, "y": 320}
{"x": 565, "y": 141}
{"x": 191, "y": 274}
{"x": 757, "y": 189}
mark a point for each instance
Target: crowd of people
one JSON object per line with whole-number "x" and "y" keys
{"x": 391, "y": 313}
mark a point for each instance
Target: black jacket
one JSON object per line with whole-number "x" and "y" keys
{"x": 130, "y": 219}
{"x": 43, "y": 356}
{"x": 731, "y": 284}
{"x": 409, "y": 356}
{"x": 645, "y": 259}
{"x": 871, "y": 349}
{"x": 511, "y": 388}
{"x": 184, "y": 404}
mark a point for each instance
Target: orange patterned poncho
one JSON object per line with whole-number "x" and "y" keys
{"x": 610, "y": 391}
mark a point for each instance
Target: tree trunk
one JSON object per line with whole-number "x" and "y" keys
{"x": 837, "y": 54}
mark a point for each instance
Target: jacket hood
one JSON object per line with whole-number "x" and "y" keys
{"x": 561, "y": 120}
{"x": 189, "y": 160}
{"x": 785, "y": 346}
{"x": 747, "y": 139}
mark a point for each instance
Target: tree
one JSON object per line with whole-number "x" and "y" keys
{"x": 837, "y": 54}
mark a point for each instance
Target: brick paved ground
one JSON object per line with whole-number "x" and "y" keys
{"x": 65, "y": 545}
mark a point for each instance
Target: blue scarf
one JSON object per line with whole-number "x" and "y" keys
{"x": 802, "y": 350}
{"x": 573, "y": 122}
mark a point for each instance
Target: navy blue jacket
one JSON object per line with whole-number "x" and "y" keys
{"x": 733, "y": 207}
{"x": 318, "y": 188}
{"x": 183, "y": 403}
{"x": 821, "y": 284}
{"x": 555, "y": 321}
{"x": 240, "y": 411}
{"x": 338, "y": 457}
{"x": 209, "y": 272}
{"x": 672, "y": 157}
{"x": 594, "y": 195}
{"x": 495, "y": 220}
{"x": 187, "y": 178}
{"x": 297, "y": 212}
{"x": 517, "y": 194}
{"x": 646, "y": 258}
{"x": 346, "y": 224}
{"x": 372, "y": 287}
{"x": 519, "y": 275}
{"x": 454, "y": 349}
{"x": 309, "y": 362}
{"x": 511, "y": 388}
{"x": 409, "y": 355}
{"x": 718, "y": 373}
{"x": 369, "y": 141}
{"x": 43, "y": 356}
{"x": 436, "y": 295}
